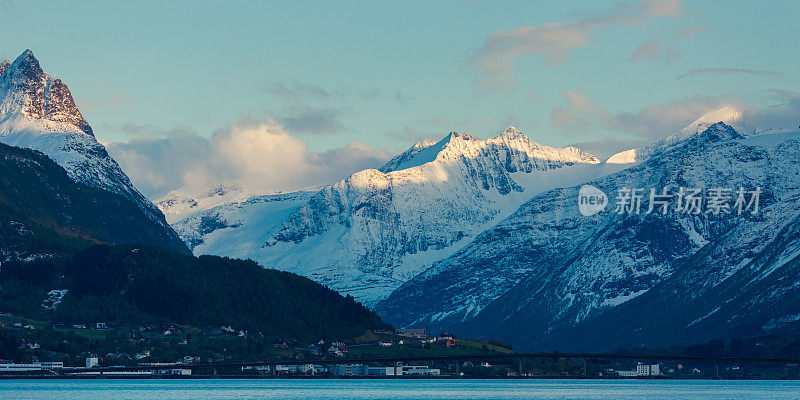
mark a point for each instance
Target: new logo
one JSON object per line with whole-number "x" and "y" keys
{"x": 591, "y": 200}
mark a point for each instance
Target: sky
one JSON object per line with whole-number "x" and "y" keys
{"x": 281, "y": 95}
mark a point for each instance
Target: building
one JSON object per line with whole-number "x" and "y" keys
{"x": 175, "y": 371}
{"x": 92, "y": 362}
{"x": 647, "y": 370}
{"x": 642, "y": 370}
{"x": 262, "y": 369}
{"x": 38, "y": 366}
{"x": 350, "y": 370}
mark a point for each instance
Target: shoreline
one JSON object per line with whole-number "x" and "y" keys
{"x": 225, "y": 377}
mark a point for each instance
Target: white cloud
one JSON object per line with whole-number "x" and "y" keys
{"x": 553, "y": 41}
{"x": 653, "y": 50}
{"x": 657, "y": 121}
{"x": 260, "y": 156}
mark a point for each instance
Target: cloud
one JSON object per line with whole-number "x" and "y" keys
{"x": 650, "y": 123}
{"x": 553, "y": 41}
{"x": 580, "y": 112}
{"x": 295, "y": 90}
{"x": 662, "y": 8}
{"x": 657, "y": 121}
{"x": 259, "y": 155}
{"x": 727, "y": 71}
{"x": 318, "y": 121}
{"x": 653, "y": 50}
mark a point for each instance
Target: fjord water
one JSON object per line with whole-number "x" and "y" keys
{"x": 290, "y": 389}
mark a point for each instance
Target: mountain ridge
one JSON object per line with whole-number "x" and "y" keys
{"x": 383, "y": 226}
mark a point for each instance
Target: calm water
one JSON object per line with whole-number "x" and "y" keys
{"x": 395, "y": 389}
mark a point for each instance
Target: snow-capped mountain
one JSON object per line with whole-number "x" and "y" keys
{"x": 180, "y": 203}
{"x": 546, "y": 275}
{"x": 369, "y": 233}
{"x": 38, "y": 112}
{"x": 731, "y": 116}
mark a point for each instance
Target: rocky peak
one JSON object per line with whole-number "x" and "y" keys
{"x": 512, "y": 133}
{"x": 720, "y": 132}
{"x": 26, "y": 88}
{"x": 4, "y": 66}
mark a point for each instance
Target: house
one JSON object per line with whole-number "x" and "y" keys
{"x": 79, "y": 326}
{"x": 100, "y": 325}
{"x": 314, "y": 350}
{"x": 191, "y": 360}
{"x": 280, "y": 344}
{"x": 92, "y": 362}
{"x": 385, "y": 344}
{"x": 335, "y": 351}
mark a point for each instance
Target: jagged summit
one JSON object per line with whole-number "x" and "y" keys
{"x": 725, "y": 121}
{"x": 517, "y": 147}
{"x": 729, "y": 115}
{"x": 38, "y": 112}
{"x": 25, "y": 89}
{"x": 512, "y": 132}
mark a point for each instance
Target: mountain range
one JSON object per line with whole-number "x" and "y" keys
{"x": 378, "y": 228}
{"x": 484, "y": 238}
{"x": 479, "y": 237}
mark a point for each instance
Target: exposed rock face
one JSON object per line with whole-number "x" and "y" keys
{"x": 35, "y": 94}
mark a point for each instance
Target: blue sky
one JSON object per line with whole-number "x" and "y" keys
{"x": 378, "y": 76}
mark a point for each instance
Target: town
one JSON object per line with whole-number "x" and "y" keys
{"x": 102, "y": 349}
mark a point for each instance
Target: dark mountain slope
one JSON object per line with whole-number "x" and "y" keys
{"x": 143, "y": 285}
{"x": 42, "y": 211}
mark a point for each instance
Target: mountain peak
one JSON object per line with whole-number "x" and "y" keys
{"x": 720, "y": 132}
{"x": 721, "y": 124}
{"x": 729, "y": 115}
{"x": 27, "y": 90}
{"x": 26, "y": 66}
{"x": 512, "y": 132}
